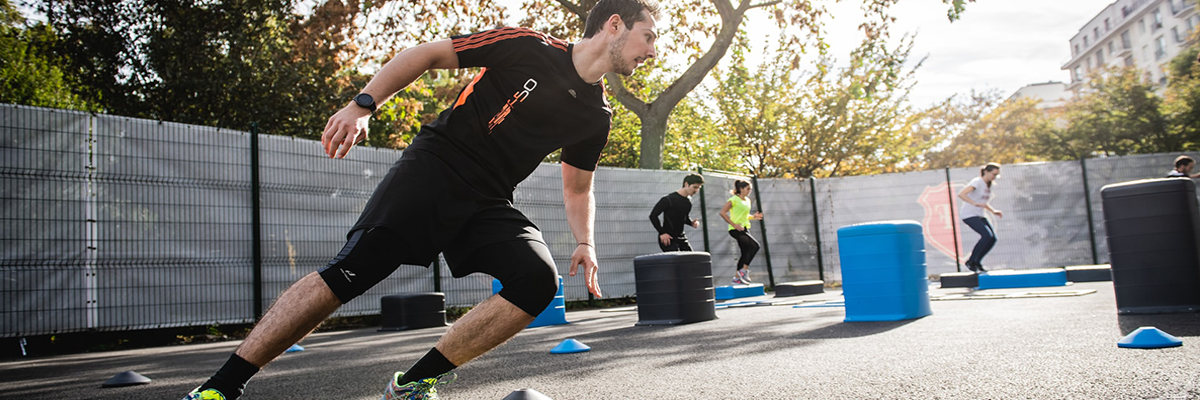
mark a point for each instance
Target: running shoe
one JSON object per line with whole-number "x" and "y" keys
{"x": 424, "y": 389}
{"x": 971, "y": 266}
{"x": 206, "y": 394}
{"x": 744, "y": 273}
{"x": 737, "y": 278}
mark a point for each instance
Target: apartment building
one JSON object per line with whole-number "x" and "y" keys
{"x": 1049, "y": 95}
{"x": 1140, "y": 33}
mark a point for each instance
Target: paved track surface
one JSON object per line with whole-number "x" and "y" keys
{"x": 1011, "y": 348}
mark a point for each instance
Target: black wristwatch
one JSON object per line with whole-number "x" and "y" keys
{"x": 365, "y": 101}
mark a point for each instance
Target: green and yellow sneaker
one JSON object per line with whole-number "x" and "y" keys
{"x": 206, "y": 394}
{"x": 425, "y": 389}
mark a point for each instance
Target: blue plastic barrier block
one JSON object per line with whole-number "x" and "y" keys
{"x": 883, "y": 271}
{"x": 1023, "y": 278}
{"x": 737, "y": 291}
{"x": 554, "y": 314}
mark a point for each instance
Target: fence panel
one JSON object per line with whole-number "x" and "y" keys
{"x": 861, "y": 199}
{"x": 309, "y": 203}
{"x": 47, "y": 282}
{"x": 173, "y": 224}
{"x": 1044, "y": 223}
{"x": 787, "y": 213}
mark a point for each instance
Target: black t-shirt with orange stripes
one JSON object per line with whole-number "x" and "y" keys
{"x": 527, "y": 102}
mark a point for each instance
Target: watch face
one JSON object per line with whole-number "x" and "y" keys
{"x": 365, "y": 101}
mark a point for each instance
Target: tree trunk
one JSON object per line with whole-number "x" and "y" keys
{"x": 654, "y": 133}
{"x": 654, "y": 114}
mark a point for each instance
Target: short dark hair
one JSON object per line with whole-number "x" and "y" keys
{"x": 693, "y": 179}
{"x": 1183, "y": 160}
{"x": 629, "y": 10}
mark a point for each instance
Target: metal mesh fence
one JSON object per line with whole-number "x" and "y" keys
{"x": 115, "y": 223}
{"x": 47, "y": 273}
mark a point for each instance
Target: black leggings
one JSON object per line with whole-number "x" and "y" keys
{"x": 748, "y": 245}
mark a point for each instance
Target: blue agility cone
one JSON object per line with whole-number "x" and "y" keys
{"x": 570, "y": 346}
{"x": 1149, "y": 337}
{"x": 294, "y": 348}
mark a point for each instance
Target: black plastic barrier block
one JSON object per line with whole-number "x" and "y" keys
{"x": 959, "y": 279}
{"x": 799, "y": 288}
{"x": 1089, "y": 273}
{"x": 1151, "y": 226}
{"x": 402, "y": 312}
{"x": 674, "y": 288}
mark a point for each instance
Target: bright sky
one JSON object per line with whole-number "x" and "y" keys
{"x": 997, "y": 44}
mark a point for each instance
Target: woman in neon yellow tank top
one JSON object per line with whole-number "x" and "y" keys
{"x": 736, "y": 213}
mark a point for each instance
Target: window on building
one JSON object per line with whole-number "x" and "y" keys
{"x": 1096, "y": 32}
{"x": 1100, "y": 58}
{"x": 1112, "y": 48}
{"x": 1158, "y": 19}
{"x": 1085, "y": 42}
{"x": 1078, "y": 75}
{"x": 1107, "y": 27}
{"x": 1142, "y": 25}
{"x": 1160, "y": 48}
{"x": 1126, "y": 43}
{"x": 1088, "y": 64}
{"x": 1128, "y": 61}
{"x": 1074, "y": 50}
{"x": 1175, "y": 34}
{"x": 1146, "y": 52}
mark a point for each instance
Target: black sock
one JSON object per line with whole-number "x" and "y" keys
{"x": 431, "y": 365}
{"x": 232, "y": 377}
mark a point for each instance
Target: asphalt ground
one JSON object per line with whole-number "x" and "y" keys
{"x": 998, "y": 348}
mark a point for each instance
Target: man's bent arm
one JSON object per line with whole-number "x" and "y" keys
{"x": 349, "y": 126}
{"x": 580, "y": 206}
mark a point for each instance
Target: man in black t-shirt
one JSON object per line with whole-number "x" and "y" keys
{"x": 674, "y": 208}
{"x": 451, "y": 190}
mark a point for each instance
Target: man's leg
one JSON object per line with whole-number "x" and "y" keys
{"x": 294, "y": 315}
{"x": 526, "y": 270}
{"x": 485, "y": 327}
{"x": 368, "y": 257}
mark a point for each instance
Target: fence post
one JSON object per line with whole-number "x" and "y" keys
{"x": 256, "y": 222}
{"x": 763, "y": 226}
{"x": 953, "y": 220}
{"x": 437, "y": 274}
{"x": 703, "y": 212}
{"x": 1087, "y": 198}
{"x": 812, "y": 190}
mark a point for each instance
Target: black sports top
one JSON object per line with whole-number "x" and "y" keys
{"x": 527, "y": 102}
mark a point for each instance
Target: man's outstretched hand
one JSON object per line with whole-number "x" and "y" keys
{"x": 345, "y": 129}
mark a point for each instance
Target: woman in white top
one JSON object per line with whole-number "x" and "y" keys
{"x": 975, "y": 199}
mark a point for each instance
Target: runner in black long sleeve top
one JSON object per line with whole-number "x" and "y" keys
{"x": 674, "y": 208}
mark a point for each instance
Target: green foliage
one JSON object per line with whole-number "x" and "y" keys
{"x": 29, "y": 71}
{"x": 1118, "y": 114}
{"x": 979, "y": 128}
{"x": 831, "y": 122}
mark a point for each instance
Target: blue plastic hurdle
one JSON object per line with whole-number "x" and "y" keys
{"x": 883, "y": 271}
{"x": 554, "y": 314}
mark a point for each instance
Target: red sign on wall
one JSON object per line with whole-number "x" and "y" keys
{"x": 941, "y": 219}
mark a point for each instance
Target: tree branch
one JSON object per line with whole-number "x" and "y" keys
{"x": 616, "y": 84}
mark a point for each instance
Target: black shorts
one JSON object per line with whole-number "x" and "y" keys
{"x": 428, "y": 209}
